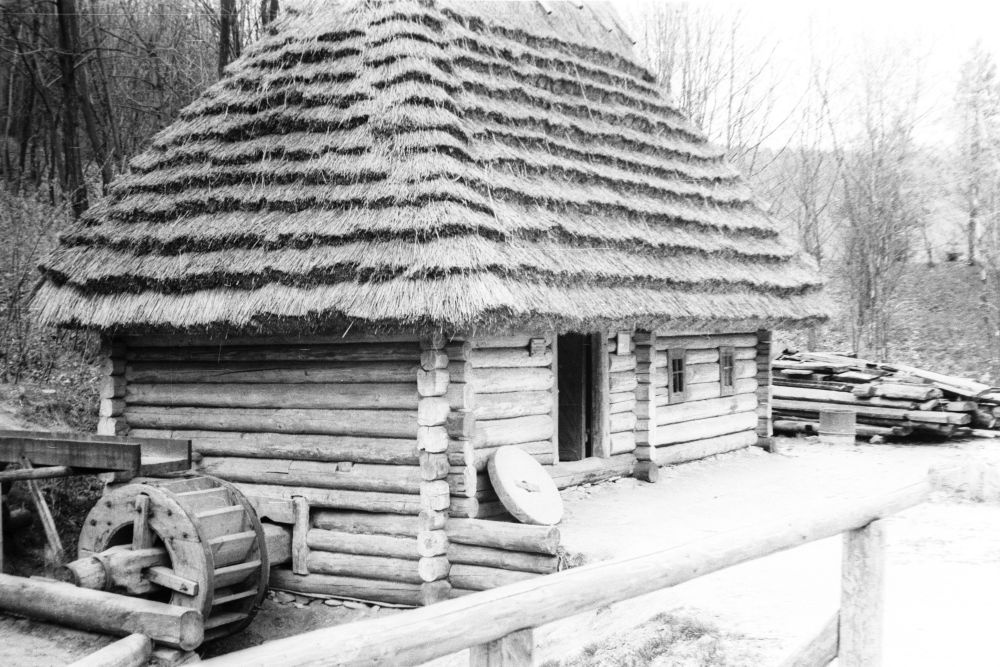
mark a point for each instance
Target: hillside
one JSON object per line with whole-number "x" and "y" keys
{"x": 937, "y": 322}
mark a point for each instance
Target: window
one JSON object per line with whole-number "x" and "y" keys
{"x": 677, "y": 382}
{"x": 727, "y": 368}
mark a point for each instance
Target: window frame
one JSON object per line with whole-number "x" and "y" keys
{"x": 728, "y": 387}
{"x": 674, "y": 395}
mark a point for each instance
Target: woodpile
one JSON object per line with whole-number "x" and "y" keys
{"x": 891, "y": 401}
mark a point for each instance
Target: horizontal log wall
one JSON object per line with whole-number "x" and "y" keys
{"x": 709, "y": 421}
{"x": 352, "y": 428}
{"x": 509, "y": 391}
{"x": 623, "y": 381}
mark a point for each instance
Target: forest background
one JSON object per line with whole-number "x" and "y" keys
{"x": 873, "y": 138}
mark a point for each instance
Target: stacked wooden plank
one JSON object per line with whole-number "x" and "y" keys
{"x": 890, "y": 400}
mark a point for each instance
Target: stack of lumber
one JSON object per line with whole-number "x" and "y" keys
{"x": 890, "y": 400}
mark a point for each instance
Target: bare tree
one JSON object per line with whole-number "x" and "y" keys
{"x": 722, "y": 77}
{"x": 978, "y": 102}
{"x": 881, "y": 199}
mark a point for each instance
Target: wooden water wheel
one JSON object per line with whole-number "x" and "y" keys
{"x": 191, "y": 541}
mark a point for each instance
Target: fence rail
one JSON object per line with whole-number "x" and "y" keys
{"x": 497, "y": 624}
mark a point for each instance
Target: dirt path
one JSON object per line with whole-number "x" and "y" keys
{"x": 943, "y": 582}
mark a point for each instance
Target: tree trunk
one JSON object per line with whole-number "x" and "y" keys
{"x": 268, "y": 11}
{"x": 227, "y": 30}
{"x": 73, "y": 183}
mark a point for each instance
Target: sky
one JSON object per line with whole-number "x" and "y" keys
{"x": 940, "y": 34}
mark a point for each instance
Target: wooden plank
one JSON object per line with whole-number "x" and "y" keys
{"x": 182, "y": 341}
{"x": 67, "y": 449}
{"x": 425, "y": 634}
{"x": 132, "y": 651}
{"x": 369, "y": 423}
{"x": 697, "y": 449}
{"x": 600, "y": 426}
{"x": 300, "y": 533}
{"x": 861, "y": 596}
{"x": 505, "y": 380}
{"x": 518, "y": 340}
{"x": 514, "y": 404}
{"x": 956, "y": 418}
{"x": 289, "y": 372}
{"x": 700, "y": 429}
{"x": 711, "y": 407}
{"x": 507, "y": 358}
{"x": 514, "y": 650}
{"x": 333, "y": 396}
{"x": 664, "y": 342}
{"x": 352, "y": 352}
{"x": 358, "y": 588}
{"x": 395, "y": 451}
{"x": 362, "y": 523}
{"x": 591, "y": 470}
{"x": 365, "y": 501}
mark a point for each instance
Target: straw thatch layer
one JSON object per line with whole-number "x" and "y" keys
{"x": 452, "y": 164}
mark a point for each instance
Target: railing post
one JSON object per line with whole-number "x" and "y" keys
{"x": 514, "y": 650}
{"x": 861, "y": 596}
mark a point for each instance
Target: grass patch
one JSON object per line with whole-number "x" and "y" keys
{"x": 667, "y": 639}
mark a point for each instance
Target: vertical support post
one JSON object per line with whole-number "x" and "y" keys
{"x": 300, "y": 534}
{"x": 600, "y": 428}
{"x": 434, "y": 411}
{"x": 861, "y": 596}
{"x": 645, "y": 394}
{"x": 142, "y": 534}
{"x": 515, "y": 650}
{"x": 111, "y": 420}
{"x": 765, "y": 432}
{"x": 45, "y": 516}
{"x": 555, "y": 397}
{"x": 1, "y": 528}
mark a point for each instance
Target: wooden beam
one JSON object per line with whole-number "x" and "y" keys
{"x": 425, "y": 634}
{"x": 600, "y": 428}
{"x": 99, "y": 611}
{"x": 515, "y": 650}
{"x": 861, "y": 596}
{"x": 555, "y": 398}
{"x": 47, "y": 472}
{"x": 63, "y": 449}
{"x": 132, "y": 651}
{"x": 45, "y": 516}
{"x": 300, "y": 534}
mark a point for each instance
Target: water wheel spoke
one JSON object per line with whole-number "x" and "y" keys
{"x": 166, "y": 577}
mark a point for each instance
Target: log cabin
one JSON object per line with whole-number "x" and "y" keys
{"x": 397, "y": 236}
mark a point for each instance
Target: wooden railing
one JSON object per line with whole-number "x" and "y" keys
{"x": 497, "y": 625}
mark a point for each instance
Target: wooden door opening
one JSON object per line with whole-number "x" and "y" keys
{"x": 574, "y": 370}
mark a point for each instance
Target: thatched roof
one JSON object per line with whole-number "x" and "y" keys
{"x": 454, "y": 164}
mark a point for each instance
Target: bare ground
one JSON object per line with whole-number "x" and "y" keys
{"x": 943, "y": 584}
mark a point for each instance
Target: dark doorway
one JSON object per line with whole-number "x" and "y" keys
{"x": 574, "y": 371}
